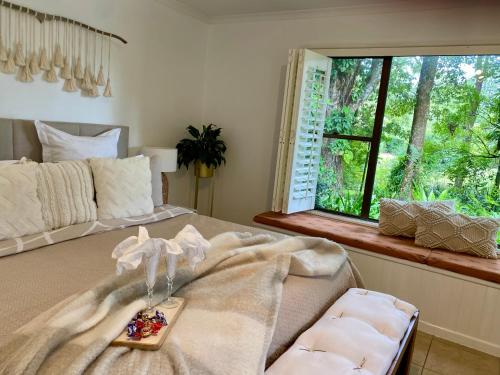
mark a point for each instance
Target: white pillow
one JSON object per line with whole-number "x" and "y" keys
{"x": 123, "y": 187}
{"x": 66, "y": 191}
{"x": 59, "y": 146}
{"x": 20, "y": 208}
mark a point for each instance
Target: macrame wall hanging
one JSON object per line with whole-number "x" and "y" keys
{"x": 56, "y": 48}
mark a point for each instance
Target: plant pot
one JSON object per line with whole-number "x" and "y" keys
{"x": 202, "y": 170}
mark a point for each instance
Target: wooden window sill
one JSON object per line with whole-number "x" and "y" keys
{"x": 368, "y": 238}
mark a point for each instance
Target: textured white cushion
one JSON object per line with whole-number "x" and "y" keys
{"x": 458, "y": 232}
{"x": 123, "y": 187}
{"x": 398, "y": 218}
{"x": 58, "y": 145}
{"x": 66, "y": 191}
{"x": 359, "y": 334}
{"x": 20, "y": 208}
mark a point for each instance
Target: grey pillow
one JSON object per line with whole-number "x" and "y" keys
{"x": 398, "y": 218}
{"x": 458, "y": 232}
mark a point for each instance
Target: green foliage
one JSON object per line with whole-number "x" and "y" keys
{"x": 340, "y": 121}
{"x": 347, "y": 202}
{"x": 461, "y": 154}
{"x": 205, "y": 147}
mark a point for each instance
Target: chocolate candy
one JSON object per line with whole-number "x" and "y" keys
{"x": 142, "y": 325}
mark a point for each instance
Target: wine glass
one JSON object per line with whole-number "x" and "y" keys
{"x": 171, "y": 263}
{"x": 151, "y": 262}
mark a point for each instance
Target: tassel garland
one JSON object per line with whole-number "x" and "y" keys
{"x": 32, "y": 43}
{"x": 87, "y": 79}
{"x": 3, "y": 50}
{"x": 70, "y": 84}
{"x": 58, "y": 57}
{"x": 100, "y": 77}
{"x": 94, "y": 92}
{"x": 24, "y": 74}
{"x": 51, "y": 74}
{"x": 10, "y": 66}
{"x": 19, "y": 59}
{"x": 66, "y": 69}
{"x": 107, "y": 91}
{"x": 34, "y": 67}
{"x": 44, "y": 60}
{"x": 79, "y": 74}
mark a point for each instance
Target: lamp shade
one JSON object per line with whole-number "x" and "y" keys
{"x": 163, "y": 159}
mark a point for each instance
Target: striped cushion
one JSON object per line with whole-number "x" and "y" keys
{"x": 66, "y": 191}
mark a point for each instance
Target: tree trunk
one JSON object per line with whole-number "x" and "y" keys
{"x": 480, "y": 62}
{"x": 371, "y": 81}
{"x": 419, "y": 123}
{"x": 341, "y": 86}
{"x": 334, "y": 162}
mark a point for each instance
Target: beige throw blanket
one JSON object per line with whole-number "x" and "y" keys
{"x": 226, "y": 327}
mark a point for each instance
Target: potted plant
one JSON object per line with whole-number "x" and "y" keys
{"x": 206, "y": 150}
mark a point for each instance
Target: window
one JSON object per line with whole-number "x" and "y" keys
{"x": 417, "y": 127}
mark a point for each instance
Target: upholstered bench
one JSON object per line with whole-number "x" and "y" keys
{"x": 363, "y": 332}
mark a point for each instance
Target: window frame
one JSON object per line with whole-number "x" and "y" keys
{"x": 373, "y": 141}
{"x": 387, "y": 54}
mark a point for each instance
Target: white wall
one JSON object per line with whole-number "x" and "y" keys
{"x": 156, "y": 78}
{"x": 245, "y": 73}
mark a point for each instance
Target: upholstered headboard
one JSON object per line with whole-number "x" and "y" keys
{"x": 18, "y": 138}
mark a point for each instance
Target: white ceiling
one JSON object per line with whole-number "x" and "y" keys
{"x": 221, "y": 8}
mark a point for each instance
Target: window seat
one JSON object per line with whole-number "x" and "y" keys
{"x": 368, "y": 238}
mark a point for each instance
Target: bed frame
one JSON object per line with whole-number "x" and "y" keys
{"x": 18, "y": 138}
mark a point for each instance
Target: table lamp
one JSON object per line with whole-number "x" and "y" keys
{"x": 163, "y": 160}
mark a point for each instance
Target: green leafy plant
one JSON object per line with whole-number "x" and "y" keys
{"x": 205, "y": 147}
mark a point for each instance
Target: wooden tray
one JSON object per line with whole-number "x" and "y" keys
{"x": 153, "y": 342}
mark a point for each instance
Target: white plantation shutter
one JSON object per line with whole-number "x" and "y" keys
{"x": 301, "y": 134}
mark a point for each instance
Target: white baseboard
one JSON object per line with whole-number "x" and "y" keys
{"x": 460, "y": 338}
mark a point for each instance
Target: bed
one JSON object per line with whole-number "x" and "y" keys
{"x": 34, "y": 281}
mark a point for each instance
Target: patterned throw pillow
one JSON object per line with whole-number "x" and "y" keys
{"x": 398, "y": 218}
{"x": 20, "y": 208}
{"x": 66, "y": 190}
{"x": 123, "y": 187}
{"x": 458, "y": 232}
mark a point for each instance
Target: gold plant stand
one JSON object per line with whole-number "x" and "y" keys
{"x": 201, "y": 170}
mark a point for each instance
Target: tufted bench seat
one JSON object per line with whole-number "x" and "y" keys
{"x": 363, "y": 332}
